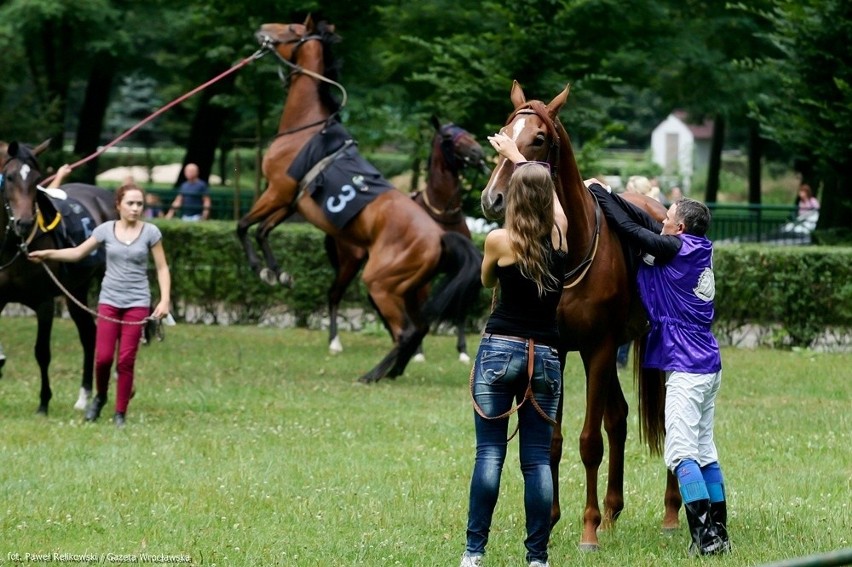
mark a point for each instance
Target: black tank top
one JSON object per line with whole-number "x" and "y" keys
{"x": 520, "y": 311}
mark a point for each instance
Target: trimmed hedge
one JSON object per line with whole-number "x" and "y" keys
{"x": 802, "y": 291}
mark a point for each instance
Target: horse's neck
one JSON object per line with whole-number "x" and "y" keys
{"x": 443, "y": 183}
{"x": 303, "y": 105}
{"x": 577, "y": 202}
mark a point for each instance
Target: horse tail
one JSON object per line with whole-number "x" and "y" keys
{"x": 460, "y": 263}
{"x": 651, "y": 387}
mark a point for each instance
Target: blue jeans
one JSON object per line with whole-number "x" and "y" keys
{"x": 500, "y": 377}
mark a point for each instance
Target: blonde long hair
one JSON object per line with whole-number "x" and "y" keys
{"x": 529, "y": 222}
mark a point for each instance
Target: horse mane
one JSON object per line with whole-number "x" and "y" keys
{"x": 331, "y": 65}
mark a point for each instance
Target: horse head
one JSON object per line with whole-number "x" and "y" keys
{"x": 306, "y": 49}
{"x": 458, "y": 147}
{"x": 534, "y": 127}
{"x": 20, "y": 175}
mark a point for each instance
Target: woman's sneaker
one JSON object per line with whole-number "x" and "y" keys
{"x": 93, "y": 411}
{"x": 471, "y": 560}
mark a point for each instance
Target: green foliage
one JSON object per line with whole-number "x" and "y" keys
{"x": 804, "y": 290}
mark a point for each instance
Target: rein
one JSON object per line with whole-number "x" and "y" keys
{"x": 528, "y": 393}
{"x": 269, "y": 45}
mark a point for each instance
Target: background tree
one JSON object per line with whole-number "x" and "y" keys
{"x": 810, "y": 107}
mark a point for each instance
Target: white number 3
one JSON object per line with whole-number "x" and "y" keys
{"x": 337, "y": 204}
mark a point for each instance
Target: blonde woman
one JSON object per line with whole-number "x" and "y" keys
{"x": 528, "y": 257}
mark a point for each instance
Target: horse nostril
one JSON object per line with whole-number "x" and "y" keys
{"x": 23, "y": 228}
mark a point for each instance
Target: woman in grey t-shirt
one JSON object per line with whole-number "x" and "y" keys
{"x": 125, "y": 297}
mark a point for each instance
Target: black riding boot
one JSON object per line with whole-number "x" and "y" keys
{"x": 719, "y": 517}
{"x": 705, "y": 538}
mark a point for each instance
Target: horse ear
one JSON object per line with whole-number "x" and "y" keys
{"x": 13, "y": 148}
{"x": 42, "y": 146}
{"x": 517, "y": 97}
{"x": 309, "y": 23}
{"x": 556, "y": 104}
{"x": 436, "y": 123}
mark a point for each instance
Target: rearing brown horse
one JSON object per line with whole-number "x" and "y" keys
{"x": 453, "y": 150}
{"x": 407, "y": 249}
{"x": 594, "y": 312}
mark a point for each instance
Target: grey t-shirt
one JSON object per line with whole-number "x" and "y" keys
{"x": 126, "y": 281}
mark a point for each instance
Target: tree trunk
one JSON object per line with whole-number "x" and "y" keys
{"x": 755, "y": 155}
{"x": 835, "y": 212}
{"x": 714, "y": 166}
{"x": 93, "y": 113}
{"x": 208, "y": 124}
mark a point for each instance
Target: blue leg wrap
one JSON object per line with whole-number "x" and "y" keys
{"x": 691, "y": 481}
{"x": 715, "y": 482}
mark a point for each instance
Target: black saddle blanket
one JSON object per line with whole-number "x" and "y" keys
{"x": 75, "y": 227}
{"x": 349, "y": 182}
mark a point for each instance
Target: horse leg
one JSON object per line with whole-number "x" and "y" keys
{"x": 44, "y": 316}
{"x": 346, "y": 260}
{"x": 86, "y": 331}
{"x": 265, "y": 206}
{"x": 673, "y": 501}
{"x": 592, "y": 449}
{"x": 392, "y": 310}
{"x": 615, "y": 424}
{"x": 272, "y": 274}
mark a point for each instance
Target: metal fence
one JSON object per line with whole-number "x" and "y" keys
{"x": 732, "y": 223}
{"x": 769, "y": 224}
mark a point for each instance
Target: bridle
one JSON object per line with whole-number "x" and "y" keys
{"x": 578, "y": 273}
{"x": 269, "y": 43}
{"x": 450, "y": 134}
{"x": 10, "y": 231}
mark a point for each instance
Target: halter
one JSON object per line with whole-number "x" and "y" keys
{"x": 450, "y": 133}
{"x": 269, "y": 44}
{"x": 579, "y": 272}
{"x": 10, "y": 221}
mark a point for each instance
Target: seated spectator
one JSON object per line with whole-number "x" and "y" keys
{"x": 806, "y": 201}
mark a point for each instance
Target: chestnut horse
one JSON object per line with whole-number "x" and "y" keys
{"x": 453, "y": 149}
{"x": 594, "y": 313}
{"x": 407, "y": 249}
{"x": 29, "y": 221}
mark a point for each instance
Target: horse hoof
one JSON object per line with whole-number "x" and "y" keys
{"x": 83, "y": 399}
{"x": 42, "y": 411}
{"x": 268, "y": 276}
{"x": 669, "y": 530}
{"x": 335, "y": 346}
{"x": 589, "y": 547}
{"x": 286, "y": 280}
{"x": 419, "y": 357}
{"x": 464, "y": 358}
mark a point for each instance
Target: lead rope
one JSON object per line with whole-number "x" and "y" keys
{"x": 86, "y": 308}
{"x": 528, "y": 394}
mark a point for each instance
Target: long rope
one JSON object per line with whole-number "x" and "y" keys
{"x": 256, "y": 55}
{"x": 85, "y": 307}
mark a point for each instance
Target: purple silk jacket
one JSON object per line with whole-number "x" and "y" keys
{"x": 679, "y": 298}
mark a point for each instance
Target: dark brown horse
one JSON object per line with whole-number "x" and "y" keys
{"x": 29, "y": 220}
{"x": 594, "y": 313}
{"x": 407, "y": 249}
{"x": 452, "y": 150}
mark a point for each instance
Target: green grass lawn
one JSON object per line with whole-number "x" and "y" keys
{"x": 253, "y": 446}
